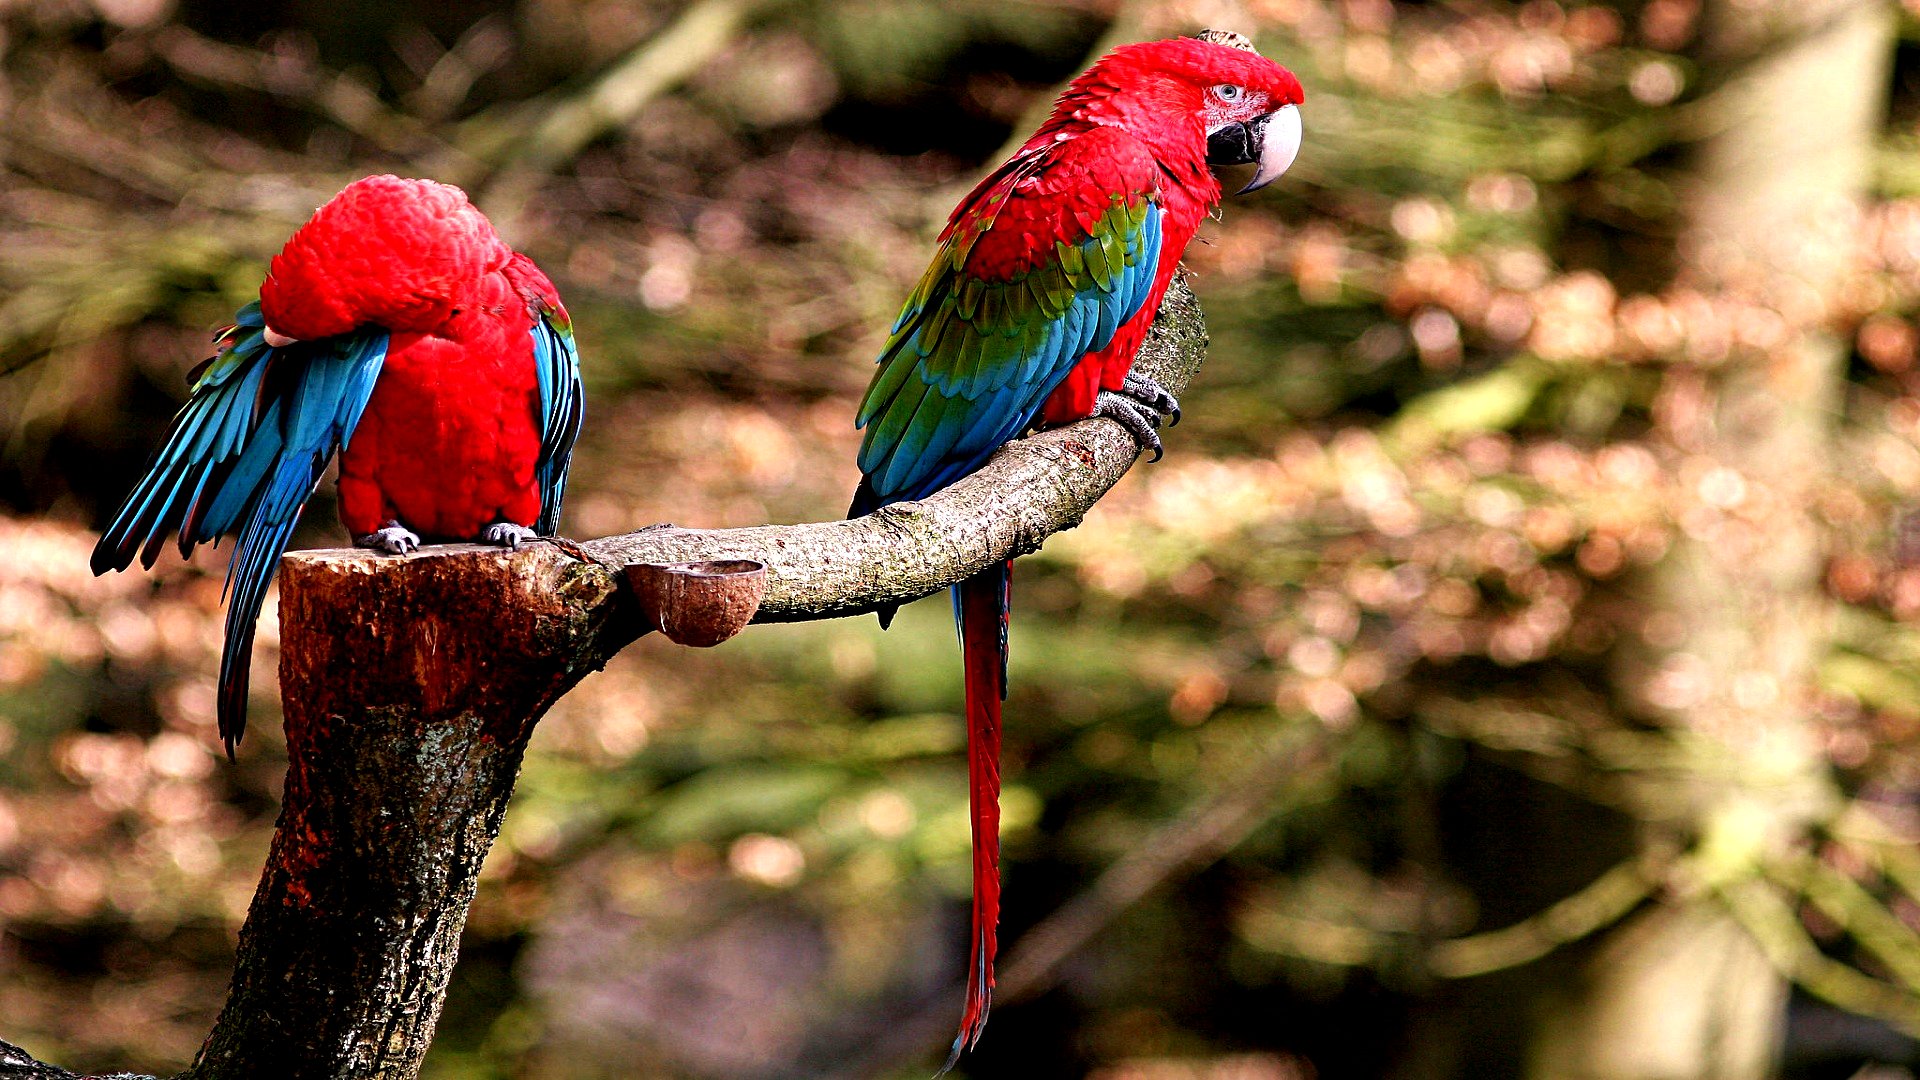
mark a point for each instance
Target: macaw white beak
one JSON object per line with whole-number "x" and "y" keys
{"x": 275, "y": 338}
{"x": 1270, "y": 142}
{"x": 1277, "y": 152}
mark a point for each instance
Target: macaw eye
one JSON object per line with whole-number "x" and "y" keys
{"x": 1228, "y": 92}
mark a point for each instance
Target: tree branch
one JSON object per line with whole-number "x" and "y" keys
{"x": 1031, "y": 489}
{"x": 17, "y": 1064}
{"x": 411, "y": 687}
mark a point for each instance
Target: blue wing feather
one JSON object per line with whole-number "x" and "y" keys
{"x": 325, "y": 397}
{"x": 243, "y": 455}
{"x": 198, "y": 450}
{"x": 557, "y": 362}
{"x": 930, "y": 444}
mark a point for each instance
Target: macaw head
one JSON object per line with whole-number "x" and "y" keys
{"x": 1245, "y": 105}
{"x": 400, "y": 254}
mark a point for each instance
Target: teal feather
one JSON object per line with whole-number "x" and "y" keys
{"x": 243, "y": 455}
{"x": 989, "y": 350}
{"x": 562, "y": 408}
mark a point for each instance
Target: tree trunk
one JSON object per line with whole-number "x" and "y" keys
{"x": 411, "y": 686}
{"x": 1682, "y": 990}
{"x": 410, "y": 697}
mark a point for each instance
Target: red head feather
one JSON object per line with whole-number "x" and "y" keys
{"x": 385, "y": 251}
{"x": 1163, "y": 91}
{"x": 1171, "y": 95}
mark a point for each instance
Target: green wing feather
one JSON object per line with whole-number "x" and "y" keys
{"x": 979, "y": 347}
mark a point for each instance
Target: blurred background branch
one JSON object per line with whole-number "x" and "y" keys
{"x": 614, "y": 99}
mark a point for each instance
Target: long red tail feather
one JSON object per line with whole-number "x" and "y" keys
{"x": 981, "y": 604}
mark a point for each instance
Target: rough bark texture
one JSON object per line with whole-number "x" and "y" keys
{"x": 1682, "y": 990}
{"x": 1031, "y": 489}
{"x": 411, "y": 687}
{"x": 410, "y": 696}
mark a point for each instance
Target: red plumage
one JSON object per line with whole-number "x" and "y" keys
{"x": 397, "y": 330}
{"x": 983, "y": 645}
{"x": 451, "y": 436}
{"x": 1138, "y": 116}
{"x": 397, "y": 253}
{"x": 1155, "y": 96}
{"x": 1060, "y": 198}
{"x": 1130, "y": 136}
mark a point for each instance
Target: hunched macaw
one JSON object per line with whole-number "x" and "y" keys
{"x": 398, "y": 329}
{"x": 1046, "y": 279}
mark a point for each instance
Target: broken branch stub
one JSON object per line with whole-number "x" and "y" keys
{"x": 698, "y": 603}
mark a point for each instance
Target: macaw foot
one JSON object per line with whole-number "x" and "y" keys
{"x": 508, "y": 535}
{"x": 1150, "y": 393}
{"x": 392, "y": 538}
{"x": 1139, "y": 406}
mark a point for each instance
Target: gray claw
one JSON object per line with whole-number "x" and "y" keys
{"x": 508, "y": 535}
{"x": 1153, "y": 395}
{"x": 393, "y": 538}
{"x": 1139, "y": 419}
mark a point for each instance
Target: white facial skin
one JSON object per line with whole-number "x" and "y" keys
{"x": 1230, "y": 104}
{"x": 1227, "y": 104}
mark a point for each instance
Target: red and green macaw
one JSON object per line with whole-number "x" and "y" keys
{"x": 398, "y": 329}
{"x": 1044, "y": 284}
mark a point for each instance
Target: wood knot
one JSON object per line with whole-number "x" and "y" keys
{"x": 699, "y": 603}
{"x": 1078, "y": 451}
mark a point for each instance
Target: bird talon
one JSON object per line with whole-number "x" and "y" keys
{"x": 508, "y": 535}
{"x": 1151, "y": 394}
{"x": 392, "y": 538}
{"x": 1136, "y": 416}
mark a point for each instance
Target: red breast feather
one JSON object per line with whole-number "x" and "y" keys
{"x": 449, "y": 441}
{"x": 385, "y": 251}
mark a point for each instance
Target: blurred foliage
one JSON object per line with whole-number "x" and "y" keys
{"x": 1402, "y": 527}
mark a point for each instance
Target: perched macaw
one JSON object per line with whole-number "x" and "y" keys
{"x": 1046, "y": 279}
{"x": 397, "y": 328}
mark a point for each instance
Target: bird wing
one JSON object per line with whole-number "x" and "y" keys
{"x": 557, "y": 362}
{"x": 1038, "y": 267}
{"x": 242, "y": 456}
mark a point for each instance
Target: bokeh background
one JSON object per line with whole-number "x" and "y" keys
{"x": 1510, "y": 671}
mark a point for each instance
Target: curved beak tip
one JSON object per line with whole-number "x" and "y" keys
{"x": 275, "y": 338}
{"x": 1279, "y": 145}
